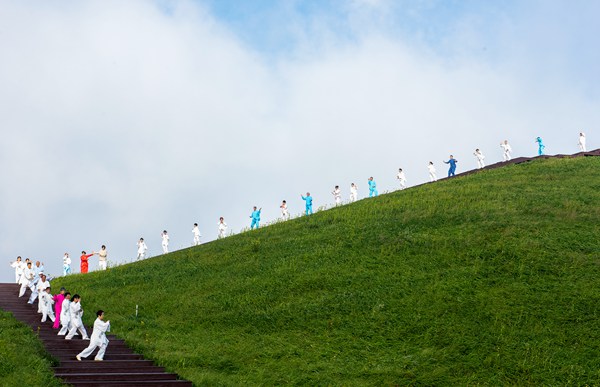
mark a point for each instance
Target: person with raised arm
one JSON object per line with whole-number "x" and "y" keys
{"x": 98, "y": 339}
{"x": 19, "y": 266}
{"x": 85, "y": 261}
{"x": 480, "y": 157}
{"x": 541, "y": 146}
{"x": 65, "y": 315}
{"x": 506, "y": 150}
{"x": 255, "y": 216}
{"x": 27, "y": 280}
{"x": 76, "y": 312}
{"x": 102, "y": 258}
{"x": 308, "y": 202}
{"x": 58, "y": 301}
{"x": 337, "y": 195}
{"x": 66, "y": 264}
{"x": 452, "y": 170}
{"x": 46, "y": 301}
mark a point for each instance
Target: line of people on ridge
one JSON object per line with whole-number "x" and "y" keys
{"x": 65, "y": 312}
{"x": 255, "y": 216}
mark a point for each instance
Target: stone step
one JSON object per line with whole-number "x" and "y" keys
{"x": 125, "y": 376}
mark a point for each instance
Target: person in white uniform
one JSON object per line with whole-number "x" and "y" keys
{"x": 581, "y": 142}
{"x": 102, "y": 258}
{"x": 27, "y": 280}
{"x": 222, "y": 228}
{"x": 506, "y": 150}
{"x": 165, "y": 242}
{"x": 98, "y": 339}
{"x": 47, "y": 302}
{"x": 66, "y": 264}
{"x": 76, "y": 313}
{"x": 337, "y": 195}
{"x": 480, "y": 157}
{"x": 197, "y": 235}
{"x": 65, "y": 315}
{"x": 41, "y": 286}
{"x": 401, "y": 178}
{"x": 19, "y": 266}
{"x": 353, "y": 192}
{"x": 142, "y": 248}
{"x": 431, "y": 169}
{"x": 285, "y": 215}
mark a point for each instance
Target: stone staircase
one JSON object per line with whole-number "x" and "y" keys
{"x": 121, "y": 366}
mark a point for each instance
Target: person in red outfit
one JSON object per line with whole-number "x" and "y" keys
{"x": 84, "y": 261}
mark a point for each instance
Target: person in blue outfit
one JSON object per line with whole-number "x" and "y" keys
{"x": 452, "y": 162}
{"x": 541, "y": 146}
{"x": 372, "y": 187}
{"x": 308, "y": 199}
{"x": 255, "y": 217}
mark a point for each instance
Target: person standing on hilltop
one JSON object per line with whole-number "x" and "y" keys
{"x": 142, "y": 248}
{"x": 102, "y": 255}
{"x": 66, "y": 264}
{"x": 452, "y": 169}
{"x": 308, "y": 199}
{"x": 372, "y": 187}
{"x": 285, "y": 215}
{"x": 541, "y": 146}
{"x": 480, "y": 157}
{"x": 353, "y": 192}
{"x": 222, "y": 228}
{"x": 337, "y": 195}
{"x": 506, "y": 150}
{"x": 581, "y": 142}
{"x": 19, "y": 267}
{"x": 401, "y": 178}
{"x": 255, "y": 216}
{"x": 84, "y": 261}
{"x": 431, "y": 169}
{"x": 196, "y": 232}
{"x": 98, "y": 338}
{"x": 165, "y": 241}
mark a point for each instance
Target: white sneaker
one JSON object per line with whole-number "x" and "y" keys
{"x": 98, "y": 359}
{"x": 86, "y": 338}
{"x": 78, "y": 357}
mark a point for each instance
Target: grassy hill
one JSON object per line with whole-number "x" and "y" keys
{"x": 491, "y": 278}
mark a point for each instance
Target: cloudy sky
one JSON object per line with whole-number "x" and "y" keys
{"x": 123, "y": 118}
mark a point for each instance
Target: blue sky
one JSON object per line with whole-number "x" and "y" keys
{"x": 124, "y": 118}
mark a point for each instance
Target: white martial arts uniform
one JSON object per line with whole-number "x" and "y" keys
{"x": 507, "y": 150}
{"x": 102, "y": 257}
{"x": 141, "y": 251}
{"x": 353, "y": 193}
{"x": 65, "y": 317}
{"x": 47, "y": 309}
{"x": 76, "y": 323}
{"x": 432, "y": 175}
{"x": 582, "y": 142}
{"x": 98, "y": 339}
{"x": 222, "y": 230}
{"x": 337, "y": 196}
{"x": 197, "y": 235}
{"x": 18, "y": 266}
{"x": 165, "y": 243}
{"x": 66, "y": 264}
{"x": 285, "y": 215}
{"x": 402, "y": 179}
{"x": 480, "y": 157}
{"x": 40, "y": 287}
{"x": 27, "y": 281}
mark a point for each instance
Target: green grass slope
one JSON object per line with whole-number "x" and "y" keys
{"x": 491, "y": 278}
{"x": 23, "y": 359}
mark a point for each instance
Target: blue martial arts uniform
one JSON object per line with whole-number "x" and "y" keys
{"x": 373, "y": 188}
{"x": 255, "y": 219}
{"x": 308, "y": 200}
{"x": 541, "y": 146}
{"x": 452, "y": 170}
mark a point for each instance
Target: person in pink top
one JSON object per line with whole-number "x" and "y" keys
{"x": 58, "y": 300}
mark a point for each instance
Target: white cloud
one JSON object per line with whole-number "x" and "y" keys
{"x": 120, "y": 119}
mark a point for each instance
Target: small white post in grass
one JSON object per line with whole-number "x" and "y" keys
{"x": 136, "y": 310}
